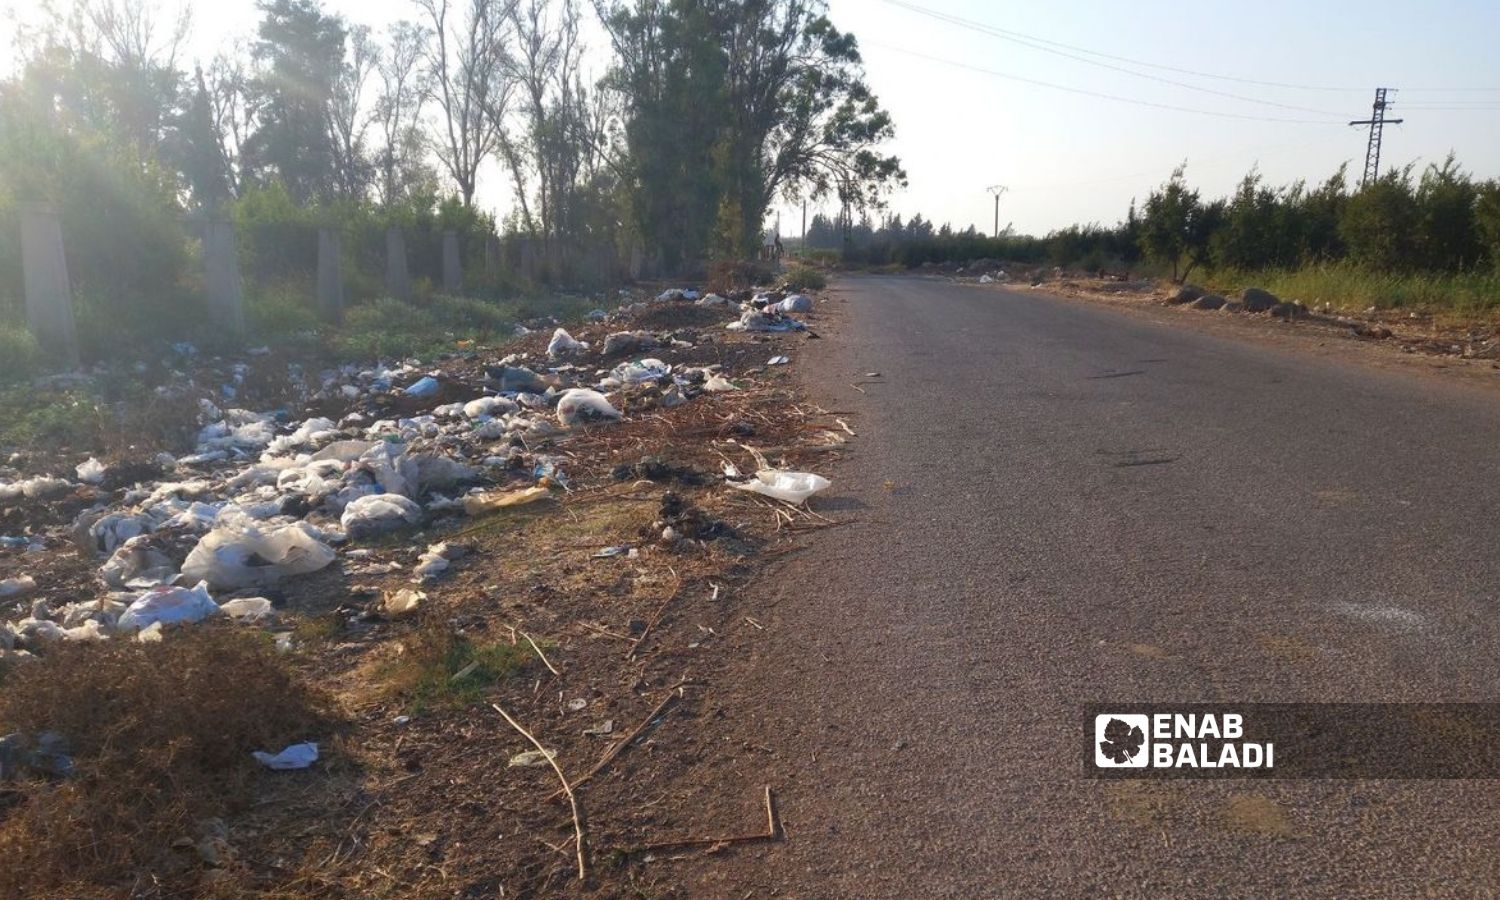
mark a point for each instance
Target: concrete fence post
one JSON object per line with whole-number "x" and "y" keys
{"x": 49, "y": 294}
{"x": 397, "y": 279}
{"x": 221, "y": 269}
{"x": 528, "y": 261}
{"x": 453, "y": 273}
{"x": 330, "y": 275}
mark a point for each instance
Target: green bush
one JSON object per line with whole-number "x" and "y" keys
{"x": 800, "y": 277}
{"x": 20, "y": 357}
{"x": 282, "y": 311}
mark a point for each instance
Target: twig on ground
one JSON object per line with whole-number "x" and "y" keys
{"x": 609, "y": 755}
{"x": 540, "y": 655}
{"x": 583, "y": 865}
{"x": 772, "y": 833}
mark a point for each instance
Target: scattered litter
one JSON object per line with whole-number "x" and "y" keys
{"x": 716, "y": 383}
{"x": 602, "y": 729}
{"x": 581, "y": 405}
{"x": 796, "y": 303}
{"x": 563, "y": 343}
{"x": 779, "y": 360}
{"x": 530, "y": 758}
{"x": 609, "y": 552}
{"x": 17, "y": 587}
{"x": 250, "y": 610}
{"x": 378, "y": 513}
{"x": 296, "y": 756}
{"x": 91, "y": 472}
{"x": 402, "y": 603}
{"x": 479, "y": 504}
{"x": 432, "y": 564}
{"x": 779, "y": 484}
{"x": 577, "y": 704}
{"x": 641, "y": 371}
{"x": 247, "y": 554}
{"x": 425, "y": 387}
{"x": 169, "y": 606}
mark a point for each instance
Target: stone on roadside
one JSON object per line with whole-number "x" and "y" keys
{"x": 1257, "y": 300}
{"x": 1186, "y": 294}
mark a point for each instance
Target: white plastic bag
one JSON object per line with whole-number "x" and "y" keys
{"x": 581, "y": 405}
{"x": 297, "y": 756}
{"x": 779, "y": 484}
{"x": 796, "y": 303}
{"x": 169, "y": 606}
{"x": 246, "y": 554}
{"x": 379, "y": 512}
{"x": 562, "y": 342}
{"x": 489, "y": 407}
{"x": 90, "y": 472}
{"x": 641, "y": 371}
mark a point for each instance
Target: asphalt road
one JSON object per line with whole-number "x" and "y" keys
{"x": 1059, "y": 504}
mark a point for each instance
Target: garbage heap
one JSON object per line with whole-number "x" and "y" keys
{"x": 267, "y": 496}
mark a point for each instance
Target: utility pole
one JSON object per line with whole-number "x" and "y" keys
{"x": 804, "y": 226}
{"x": 997, "y": 190}
{"x": 1377, "y": 123}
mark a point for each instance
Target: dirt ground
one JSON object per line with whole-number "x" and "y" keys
{"x": 611, "y": 634}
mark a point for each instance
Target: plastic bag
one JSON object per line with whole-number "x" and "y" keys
{"x": 489, "y": 407}
{"x": 245, "y": 554}
{"x": 581, "y": 405}
{"x": 248, "y": 609}
{"x": 297, "y": 756}
{"x": 641, "y": 371}
{"x": 169, "y": 606}
{"x": 796, "y": 303}
{"x": 562, "y": 342}
{"x": 479, "y": 504}
{"x": 394, "y": 471}
{"x": 779, "y": 484}
{"x": 427, "y": 386}
{"x": 375, "y": 513}
{"x": 90, "y": 472}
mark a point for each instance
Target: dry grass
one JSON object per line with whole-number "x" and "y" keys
{"x": 161, "y": 736}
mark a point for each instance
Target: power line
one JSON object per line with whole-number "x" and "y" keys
{"x": 922, "y": 10}
{"x": 1099, "y": 94}
{"x": 1037, "y": 44}
{"x": 1022, "y": 37}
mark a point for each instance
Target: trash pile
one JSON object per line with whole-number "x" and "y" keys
{"x": 267, "y": 496}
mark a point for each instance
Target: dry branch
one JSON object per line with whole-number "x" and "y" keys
{"x": 583, "y": 865}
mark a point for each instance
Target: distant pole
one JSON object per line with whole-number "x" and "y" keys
{"x": 997, "y": 190}
{"x": 330, "y": 275}
{"x": 226, "y": 294}
{"x": 44, "y": 273}
{"x": 804, "y": 225}
{"x": 1377, "y": 123}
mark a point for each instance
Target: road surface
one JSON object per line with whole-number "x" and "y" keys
{"x": 1060, "y": 504}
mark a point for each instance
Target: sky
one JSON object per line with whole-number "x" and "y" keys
{"x": 1078, "y": 106}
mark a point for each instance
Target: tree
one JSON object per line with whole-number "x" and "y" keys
{"x": 232, "y": 106}
{"x": 465, "y": 58}
{"x": 1176, "y": 226}
{"x": 1487, "y": 219}
{"x": 398, "y": 113}
{"x": 349, "y": 119}
{"x": 729, "y": 104}
{"x": 301, "y": 53}
{"x": 1448, "y": 237}
{"x": 806, "y": 124}
{"x": 1379, "y": 222}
